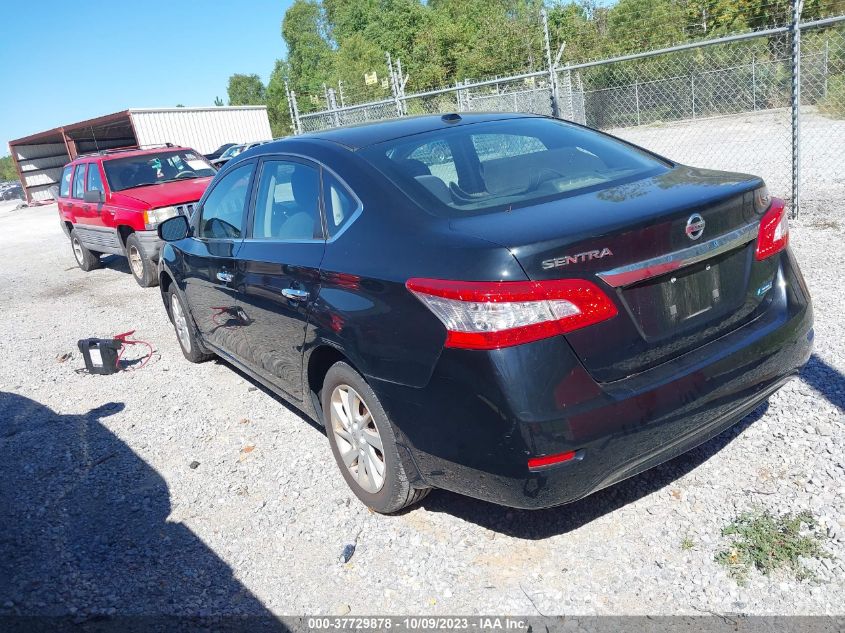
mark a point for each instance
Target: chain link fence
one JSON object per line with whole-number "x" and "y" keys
{"x": 721, "y": 104}
{"x": 821, "y": 118}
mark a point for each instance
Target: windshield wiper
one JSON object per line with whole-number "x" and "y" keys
{"x": 140, "y": 184}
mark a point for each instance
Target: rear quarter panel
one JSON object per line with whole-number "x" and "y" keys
{"x": 363, "y": 307}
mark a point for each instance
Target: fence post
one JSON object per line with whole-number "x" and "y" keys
{"x": 467, "y": 96}
{"x": 754, "y": 80}
{"x": 796, "y": 105}
{"x": 553, "y": 94}
{"x": 394, "y": 87}
{"x": 400, "y": 87}
{"x": 293, "y": 118}
{"x": 637, "y": 99}
{"x": 297, "y": 123}
{"x": 333, "y": 107}
{"x": 340, "y": 93}
{"x": 692, "y": 90}
{"x": 825, "y": 62}
{"x": 459, "y": 93}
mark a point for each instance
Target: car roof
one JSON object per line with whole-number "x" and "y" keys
{"x": 359, "y": 136}
{"x": 109, "y": 154}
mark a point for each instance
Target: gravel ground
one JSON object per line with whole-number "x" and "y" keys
{"x": 757, "y": 143}
{"x": 101, "y": 511}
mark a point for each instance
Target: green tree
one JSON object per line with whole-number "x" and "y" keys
{"x": 7, "y": 169}
{"x": 218, "y": 101}
{"x": 310, "y": 57}
{"x": 641, "y": 25}
{"x": 583, "y": 26}
{"x": 246, "y": 90}
{"x": 278, "y": 109}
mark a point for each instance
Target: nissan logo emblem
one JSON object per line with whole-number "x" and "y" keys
{"x": 695, "y": 226}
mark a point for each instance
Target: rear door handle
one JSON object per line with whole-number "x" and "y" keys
{"x": 295, "y": 293}
{"x": 225, "y": 276}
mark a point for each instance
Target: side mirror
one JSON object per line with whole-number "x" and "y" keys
{"x": 174, "y": 229}
{"x": 94, "y": 195}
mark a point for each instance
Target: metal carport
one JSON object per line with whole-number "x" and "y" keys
{"x": 39, "y": 158}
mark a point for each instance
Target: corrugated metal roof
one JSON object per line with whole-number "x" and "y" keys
{"x": 39, "y": 157}
{"x": 199, "y": 108}
{"x": 204, "y": 129}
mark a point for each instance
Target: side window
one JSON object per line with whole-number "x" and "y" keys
{"x": 79, "y": 181}
{"x": 222, "y": 213}
{"x": 95, "y": 181}
{"x": 338, "y": 202}
{"x": 492, "y": 146}
{"x": 64, "y": 186}
{"x": 435, "y": 159}
{"x": 287, "y": 204}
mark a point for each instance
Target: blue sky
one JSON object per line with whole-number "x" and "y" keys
{"x": 67, "y": 61}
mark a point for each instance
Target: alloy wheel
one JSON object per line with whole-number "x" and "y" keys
{"x": 77, "y": 250}
{"x": 357, "y": 438}
{"x": 180, "y": 323}
{"x": 136, "y": 263}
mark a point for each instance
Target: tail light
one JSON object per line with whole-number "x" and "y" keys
{"x": 492, "y": 315}
{"x": 774, "y": 230}
{"x": 538, "y": 463}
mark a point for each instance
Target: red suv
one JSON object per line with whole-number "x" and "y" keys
{"x": 113, "y": 200}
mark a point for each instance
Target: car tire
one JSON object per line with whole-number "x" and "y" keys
{"x": 186, "y": 332}
{"x": 142, "y": 267}
{"x": 84, "y": 258}
{"x": 354, "y": 437}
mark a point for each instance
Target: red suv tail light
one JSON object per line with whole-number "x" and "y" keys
{"x": 496, "y": 314}
{"x": 774, "y": 230}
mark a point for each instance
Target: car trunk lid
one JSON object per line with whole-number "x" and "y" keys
{"x": 674, "y": 251}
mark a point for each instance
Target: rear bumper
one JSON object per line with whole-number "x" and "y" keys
{"x": 483, "y": 414}
{"x": 150, "y": 243}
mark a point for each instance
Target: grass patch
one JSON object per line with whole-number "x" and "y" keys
{"x": 833, "y": 104}
{"x": 825, "y": 223}
{"x": 687, "y": 544}
{"x": 768, "y": 542}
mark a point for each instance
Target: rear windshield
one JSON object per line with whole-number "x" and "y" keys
{"x": 233, "y": 151}
{"x": 493, "y": 166}
{"x": 153, "y": 169}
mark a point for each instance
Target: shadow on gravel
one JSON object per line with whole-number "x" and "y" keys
{"x": 84, "y": 530}
{"x": 272, "y": 394}
{"x": 116, "y": 262}
{"x": 541, "y": 524}
{"x": 827, "y": 380}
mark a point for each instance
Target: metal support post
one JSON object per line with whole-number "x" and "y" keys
{"x": 553, "y": 93}
{"x": 796, "y": 105}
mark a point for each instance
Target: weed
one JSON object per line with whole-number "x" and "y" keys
{"x": 768, "y": 542}
{"x": 825, "y": 223}
{"x": 833, "y": 103}
{"x": 687, "y": 543}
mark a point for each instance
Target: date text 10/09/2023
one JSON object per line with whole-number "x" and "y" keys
{"x": 460, "y": 623}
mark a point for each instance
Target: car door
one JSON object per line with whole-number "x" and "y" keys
{"x": 80, "y": 209}
{"x": 278, "y": 274}
{"x": 64, "y": 201}
{"x": 99, "y": 212}
{"x": 209, "y": 258}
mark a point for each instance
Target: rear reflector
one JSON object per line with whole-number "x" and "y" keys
{"x": 495, "y": 314}
{"x": 549, "y": 460}
{"x": 774, "y": 230}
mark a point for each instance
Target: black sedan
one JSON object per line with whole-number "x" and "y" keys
{"x": 219, "y": 151}
{"x": 511, "y": 307}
